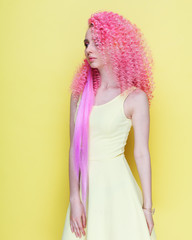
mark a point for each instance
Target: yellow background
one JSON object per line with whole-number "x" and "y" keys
{"x": 41, "y": 47}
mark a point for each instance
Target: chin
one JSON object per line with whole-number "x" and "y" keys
{"x": 93, "y": 65}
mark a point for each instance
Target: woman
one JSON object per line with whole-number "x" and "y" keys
{"x": 111, "y": 92}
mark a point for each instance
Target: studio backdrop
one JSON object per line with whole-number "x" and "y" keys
{"x": 41, "y": 46}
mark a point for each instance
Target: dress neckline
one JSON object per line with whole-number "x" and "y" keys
{"x": 100, "y": 105}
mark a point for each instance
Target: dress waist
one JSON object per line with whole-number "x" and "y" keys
{"x": 108, "y": 158}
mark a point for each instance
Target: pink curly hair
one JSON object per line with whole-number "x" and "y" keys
{"x": 131, "y": 63}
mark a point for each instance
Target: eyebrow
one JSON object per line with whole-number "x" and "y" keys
{"x": 86, "y": 40}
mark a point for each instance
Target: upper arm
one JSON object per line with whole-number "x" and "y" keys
{"x": 141, "y": 123}
{"x": 73, "y": 107}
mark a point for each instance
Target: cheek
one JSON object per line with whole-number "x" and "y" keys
{"x": 101, "y": 59}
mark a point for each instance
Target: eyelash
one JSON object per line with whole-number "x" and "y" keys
{"x": 86, "y": 45}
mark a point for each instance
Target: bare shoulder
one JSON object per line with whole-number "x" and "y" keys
{"x": 139, "y": 97}
{"x": 140, "y": 104}
{"x": 135, "y": 102}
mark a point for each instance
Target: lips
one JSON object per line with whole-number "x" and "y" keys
{"x": 91, "y": 58}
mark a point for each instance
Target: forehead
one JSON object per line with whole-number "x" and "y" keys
{"x": 88, "y": 35}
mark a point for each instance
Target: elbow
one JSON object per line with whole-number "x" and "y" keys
{"x": 140, "y": 154}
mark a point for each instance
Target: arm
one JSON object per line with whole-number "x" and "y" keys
{"x": 77, "y": 215}
{"x": 141, "y": 122}
{"x": 74, "y": 184}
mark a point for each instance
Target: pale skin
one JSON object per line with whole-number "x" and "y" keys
{"x": 136, "y": 107}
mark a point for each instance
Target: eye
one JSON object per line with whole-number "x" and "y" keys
{"x": 86, "y": 44}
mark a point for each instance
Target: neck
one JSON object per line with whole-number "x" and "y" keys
{"x": 108, "y": 80}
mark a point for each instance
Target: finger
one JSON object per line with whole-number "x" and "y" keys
{"x": 77, "y": 228}
{"x": 148, "y": 226}
{"x": 81, "y": 228}
{"x": 72, "y": 228}
{"x": 150, "y": 231}
{"x": 84, "y": 220}
{"x": 152, "y": 228}
{"x": 147, "y": 223}
{"x": 83, "y": 231}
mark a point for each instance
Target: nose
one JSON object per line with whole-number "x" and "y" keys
{"x": 89, "y": 50}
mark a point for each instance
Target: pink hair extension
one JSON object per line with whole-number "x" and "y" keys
{"x": 131, "y": 61}
{"x": 81, "y": 136}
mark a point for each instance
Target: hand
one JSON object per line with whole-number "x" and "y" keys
{"x": 149, "y": 219}
{"x": 77, "y": 217}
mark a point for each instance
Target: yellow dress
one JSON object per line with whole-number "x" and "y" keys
{"x": 114, "y": 204}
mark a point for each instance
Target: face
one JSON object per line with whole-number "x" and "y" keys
{"x": 92, "y": 54}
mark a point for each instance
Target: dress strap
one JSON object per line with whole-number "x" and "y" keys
{"x": 127, "y": 92}
{"x": 124, "y": 96}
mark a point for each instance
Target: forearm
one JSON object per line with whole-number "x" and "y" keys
{"x": 73, "y": 182}
{"x": 143, "y": 163}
